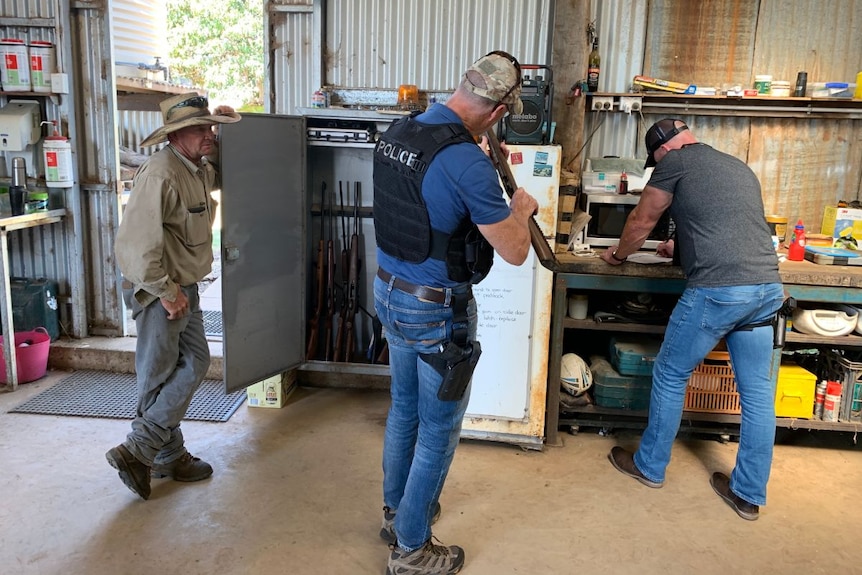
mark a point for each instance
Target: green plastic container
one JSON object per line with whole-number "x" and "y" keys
{"x": 610, "y": 389}
{"x": 634, "y": 356}
{"x": 36, "y": 202}
{"x": 35, "y": 304}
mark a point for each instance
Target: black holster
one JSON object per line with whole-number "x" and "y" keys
{"x": 456, "y": 359}
{"x": 456, "y": 364}
{"x": 778, "y": 323}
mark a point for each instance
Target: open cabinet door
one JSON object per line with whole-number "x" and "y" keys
{"x": 263, "y": 247}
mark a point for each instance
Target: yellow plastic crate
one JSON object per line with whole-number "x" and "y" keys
{"x": 794, "y": 393}
{"x": 711, "y": 387}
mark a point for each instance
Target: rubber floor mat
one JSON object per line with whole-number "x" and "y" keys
{"x": 212, "y": 323}
{"x": 88, "y": 393}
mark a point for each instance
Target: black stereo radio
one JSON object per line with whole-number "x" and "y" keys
{"x": 533, "y": 125}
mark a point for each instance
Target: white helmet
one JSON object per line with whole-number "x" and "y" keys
{"x": 575, "y": 376}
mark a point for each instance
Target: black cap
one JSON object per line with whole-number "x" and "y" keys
{"x": 659, "y": 134}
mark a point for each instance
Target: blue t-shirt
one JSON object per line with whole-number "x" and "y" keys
{"x": 461, "y": 180}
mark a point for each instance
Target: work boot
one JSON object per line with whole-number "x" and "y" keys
{"x": 134, "y": 474}
{"x": 429, "y": 559}
{"x": 186, "y": 468}
{"x": 387, "y": 531}
{"x": 721, "y": 485}
{"x": 624, "y": 462}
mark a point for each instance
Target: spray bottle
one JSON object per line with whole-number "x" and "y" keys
{"x": 58, "y": 159}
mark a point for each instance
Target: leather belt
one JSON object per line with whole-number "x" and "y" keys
{"x": 422, "y": 292}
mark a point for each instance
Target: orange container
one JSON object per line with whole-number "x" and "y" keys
{"x": 31, "y": 349}
{"x": 711, "y": 387}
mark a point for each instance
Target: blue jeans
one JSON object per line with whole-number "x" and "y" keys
{"x": 701, "y": 318}
{"x": 421, "y": 431}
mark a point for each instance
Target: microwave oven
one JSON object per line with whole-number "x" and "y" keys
{"x": 608, "y": 213}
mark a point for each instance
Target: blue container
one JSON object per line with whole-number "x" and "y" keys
{"x": 634, "y": 356}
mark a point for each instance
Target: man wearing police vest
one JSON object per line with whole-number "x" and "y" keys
{"x": 439, "y": 216}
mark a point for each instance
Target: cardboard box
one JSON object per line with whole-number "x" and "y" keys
{"x": 273, "y": 391}
{"x": 841, "y": 222}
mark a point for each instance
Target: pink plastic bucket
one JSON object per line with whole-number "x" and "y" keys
{"x": 31, "y": 348}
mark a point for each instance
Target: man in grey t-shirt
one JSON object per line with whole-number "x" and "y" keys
{"x": 733, "y": 291}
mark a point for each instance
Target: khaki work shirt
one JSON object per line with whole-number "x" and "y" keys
{"x": 165, "y": 237}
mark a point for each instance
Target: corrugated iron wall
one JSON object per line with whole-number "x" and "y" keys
{"x": 293, "y": 67}
{"x": 803, "y": 164}
{"x": 380, "y": 44}
{"x": 429, "y": 43}
{"x": 99, "y": 167}
{"x": 50, "y": 251}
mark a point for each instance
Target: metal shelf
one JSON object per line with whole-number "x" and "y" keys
{"x": 588, "y": 324}
{"x": 595, "y": 416}
{"x": 751, "y": 106}
{"x": 842, "y": 341}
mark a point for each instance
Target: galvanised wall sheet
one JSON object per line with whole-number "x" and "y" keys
{"x": 384, "y": 43}
{"x": 133, "y": 126}
{"x": 98, "y": 165}
{"x": 294, "y": 37}
{"x": 139, "y": 31}
{"x": 822, "y": 37}
{"x": 29, "y": 8}
{"x": 720, "y": 42}
{"x": 621, "y": 27}
{"x": 381, "y": 44}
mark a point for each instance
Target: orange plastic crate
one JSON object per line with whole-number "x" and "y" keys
{"x": 712, "y": 388}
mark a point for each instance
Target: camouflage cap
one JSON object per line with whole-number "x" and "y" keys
{"x": 502, "y": 75}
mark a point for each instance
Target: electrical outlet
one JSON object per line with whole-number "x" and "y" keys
{"x": 629, "y": 104}
{"x": 603, "y": 103}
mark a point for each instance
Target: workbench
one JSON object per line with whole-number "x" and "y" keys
{"x": 7, "y": 225}
{"x": 803, "y": 280}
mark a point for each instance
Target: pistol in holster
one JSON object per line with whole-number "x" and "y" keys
{"x": 456, "y": 365}
{"x": 780, "y": 322}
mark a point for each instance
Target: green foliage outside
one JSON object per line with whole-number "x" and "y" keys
{"x": 218, "y": 45}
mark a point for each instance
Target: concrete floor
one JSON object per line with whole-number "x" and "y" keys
{"x": 297, "y": 491}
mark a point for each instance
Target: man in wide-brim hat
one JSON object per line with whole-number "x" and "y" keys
{"x": 163, "y": 249}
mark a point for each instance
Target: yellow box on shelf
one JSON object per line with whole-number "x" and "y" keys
{"x": 843, "y": 224}
{"x": 794, "y": 393}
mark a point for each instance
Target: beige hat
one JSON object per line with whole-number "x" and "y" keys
{"x": 185, "y": 110}
{"x": 502, "y": 75}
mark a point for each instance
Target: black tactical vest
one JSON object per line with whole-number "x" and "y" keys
{"x": 402, "y": 226}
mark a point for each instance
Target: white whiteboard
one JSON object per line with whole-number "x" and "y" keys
{"x": 510, "y": 314}
{"x": 500, "y": 382}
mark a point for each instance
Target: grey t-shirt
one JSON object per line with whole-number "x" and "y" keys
{"x": 721, "y": 229}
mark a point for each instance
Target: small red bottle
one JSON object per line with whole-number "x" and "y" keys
{"x": 796, "y": 251}
{"x": 624, "y": 184}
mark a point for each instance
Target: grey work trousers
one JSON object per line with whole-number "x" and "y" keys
{"x": 171, "y": 360}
